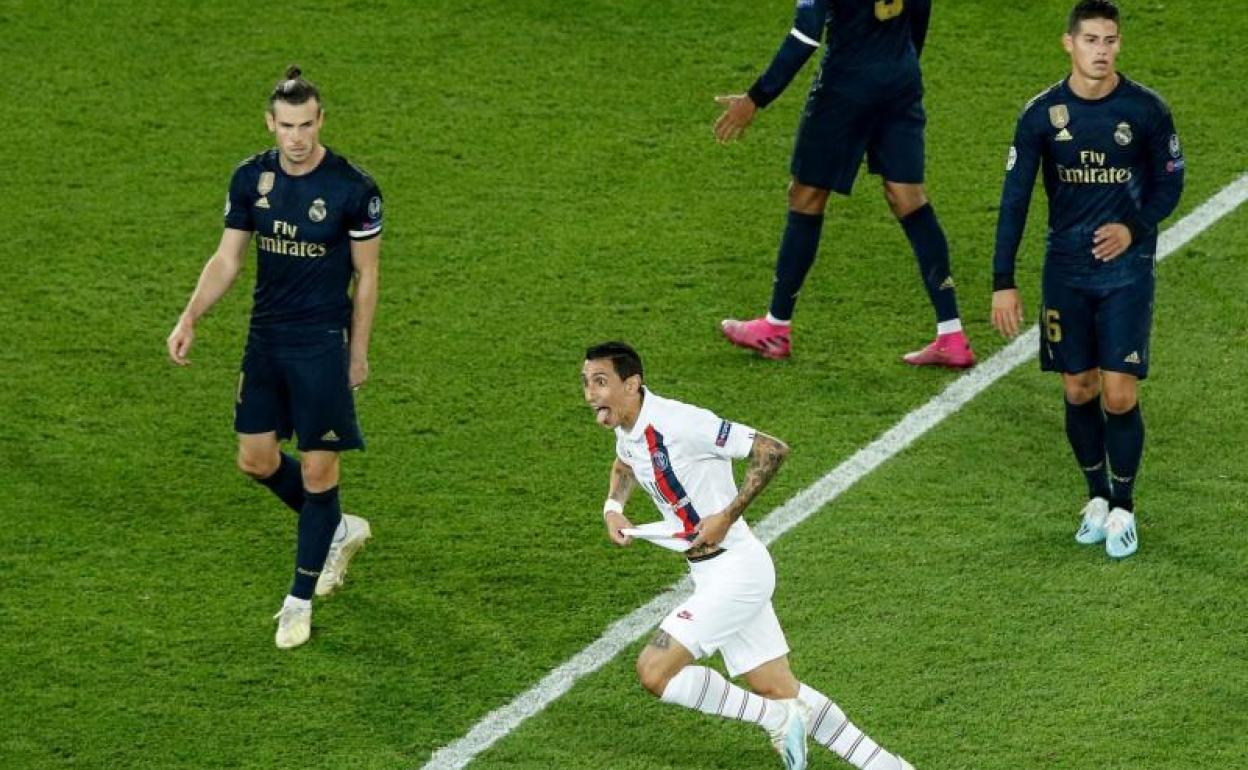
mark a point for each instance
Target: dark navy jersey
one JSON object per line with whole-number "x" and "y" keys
{"x": 1114, "y": 159}
{"x": 303, "y": 229}
{"x": 872, "y": 52}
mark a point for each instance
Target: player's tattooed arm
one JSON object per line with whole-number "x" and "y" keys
{"x": 765, "y": 458}
{"x": 622, "y": 482}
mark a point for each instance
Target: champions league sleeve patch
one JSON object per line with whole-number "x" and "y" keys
{"x": 725, "y": 428}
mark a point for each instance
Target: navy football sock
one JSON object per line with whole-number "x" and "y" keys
{"x": 797, "y": 254}
{"x": 287, "y": 482}
{"x": 932, "y": 252}
{"x": 1124, "y": 442}
{"x": 1085, "y": 429}
{"x": 317, "y": 522}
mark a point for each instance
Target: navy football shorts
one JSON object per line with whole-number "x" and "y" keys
{"x": 1082, "y": 329}
{"x": 836, "y": 131}
{"x": 304, "y": 391}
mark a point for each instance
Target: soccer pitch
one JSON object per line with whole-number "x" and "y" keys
{"x": 551, "y": 181}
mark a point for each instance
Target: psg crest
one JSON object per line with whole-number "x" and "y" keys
{"x": 317, "y": 212}
{"x": 1122, "y": 134}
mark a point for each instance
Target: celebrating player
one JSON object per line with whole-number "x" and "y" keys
{"x": 317, "y": 224}
{"x": 682, "y": 456}
{"x": 1113, "y": 169}
{"x": 867, "y": 98}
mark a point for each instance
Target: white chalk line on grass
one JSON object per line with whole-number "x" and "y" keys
{"x": 623, "y": 632}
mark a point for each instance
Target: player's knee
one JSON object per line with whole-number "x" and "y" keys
{"x": 1079, "y": 392}
{"x": 258, "y": 464}
{"x": 805, "y": 199}
{"x": 1118, "y": 401}
{"x": 319, "y": 476}
{"x": 904, "y": 199}
{"x": 652, "y": 675}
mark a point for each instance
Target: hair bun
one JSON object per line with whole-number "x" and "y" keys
{"x": 293, "y": 72}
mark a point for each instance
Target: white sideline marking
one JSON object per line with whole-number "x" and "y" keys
{"x": 623, "y": 632}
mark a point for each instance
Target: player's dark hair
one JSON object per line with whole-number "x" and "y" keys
{"x": 623, "y": 358}
{"x": 294, "y": 89}
{"x": 1091, "y": 9}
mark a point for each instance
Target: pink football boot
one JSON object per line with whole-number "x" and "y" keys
{"x": 949, "y": 350}
{"x": 770, "y": 340}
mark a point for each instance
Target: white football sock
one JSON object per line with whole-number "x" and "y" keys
{"x": 829, "y": 727}
{"x": 771, "y": 319}
{"x": 705, "y": 689}
{"x": 949, "y": 327}
{"x": 296, "y": 602}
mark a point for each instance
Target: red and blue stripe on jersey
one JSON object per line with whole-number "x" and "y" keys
{"x": 665, "y": 478}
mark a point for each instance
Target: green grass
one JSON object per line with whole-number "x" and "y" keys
{"x": 551, "y": 181}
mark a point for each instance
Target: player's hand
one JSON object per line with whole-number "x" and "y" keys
{"x": 358, "y": 372}
{"x": 738, "y": 115}
{"x": 1007, "y": 311}
{"x": 179, "y": 342}
{"x": 711, "y": 532}
{"x": 616, "y": 522}
{"x": 1109, "y": 241}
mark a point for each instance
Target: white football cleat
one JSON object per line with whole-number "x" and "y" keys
{"x": 340, "y": 553}
{"x": 1092, "y": 527}
{"x": 1121, "y": 539}
{"x": 294, "y": 626}
{"x": 790, "y": 739}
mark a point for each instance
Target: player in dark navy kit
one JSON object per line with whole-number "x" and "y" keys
{"x": 867, "y": 99}
{"x": 1113, "y": 170}
{"x": 316, "y": 220}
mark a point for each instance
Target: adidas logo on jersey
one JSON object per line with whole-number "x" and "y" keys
{"x": 1063, "y": 136}
{"x": 329, "y": 436}
{"x": 1133, "y": 358}
{"x": 947, "y": 283}
{"x": 263, "y": 203}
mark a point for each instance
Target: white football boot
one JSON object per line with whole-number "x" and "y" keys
{"x": 1121, "y": 539}
{"x": 294, "y": 626}
{"x": 340, "y": 553}
{"x": 790, "y": 739}
{"x": 1092, "y": 527}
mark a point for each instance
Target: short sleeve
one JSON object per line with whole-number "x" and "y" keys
{"x": 711, "y": 434}
{"x": 240, "y": 199}
{"x": 366, "y": 219}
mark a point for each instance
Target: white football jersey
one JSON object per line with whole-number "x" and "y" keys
{"x": 682, "y": 455}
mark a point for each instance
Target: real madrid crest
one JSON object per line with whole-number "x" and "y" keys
{"x": 1122, "y": 134}
{"x": 317, "y": 211}
{"x": 1059, "y": 116}
{"x": 374, "y": 207}
{"x": 265, "y": 185}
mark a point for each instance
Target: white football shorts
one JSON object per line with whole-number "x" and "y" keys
{"x": 730, "y": 611}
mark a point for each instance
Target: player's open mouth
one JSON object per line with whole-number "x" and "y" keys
{"x": 601, "y": 413}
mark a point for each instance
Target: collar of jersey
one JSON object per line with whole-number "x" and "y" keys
{"x": 643, "y": 416}
{"x": 1070, "y": 92}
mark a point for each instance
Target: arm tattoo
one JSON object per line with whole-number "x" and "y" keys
{"x": 660, "y": 640}
{"x": 765, "y": 459}
{"x": 622, "y": 482}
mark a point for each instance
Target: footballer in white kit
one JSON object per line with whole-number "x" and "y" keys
{"x": 682, "y": 456}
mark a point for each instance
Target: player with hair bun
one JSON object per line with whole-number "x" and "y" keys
{"x": 316, "y": 221}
